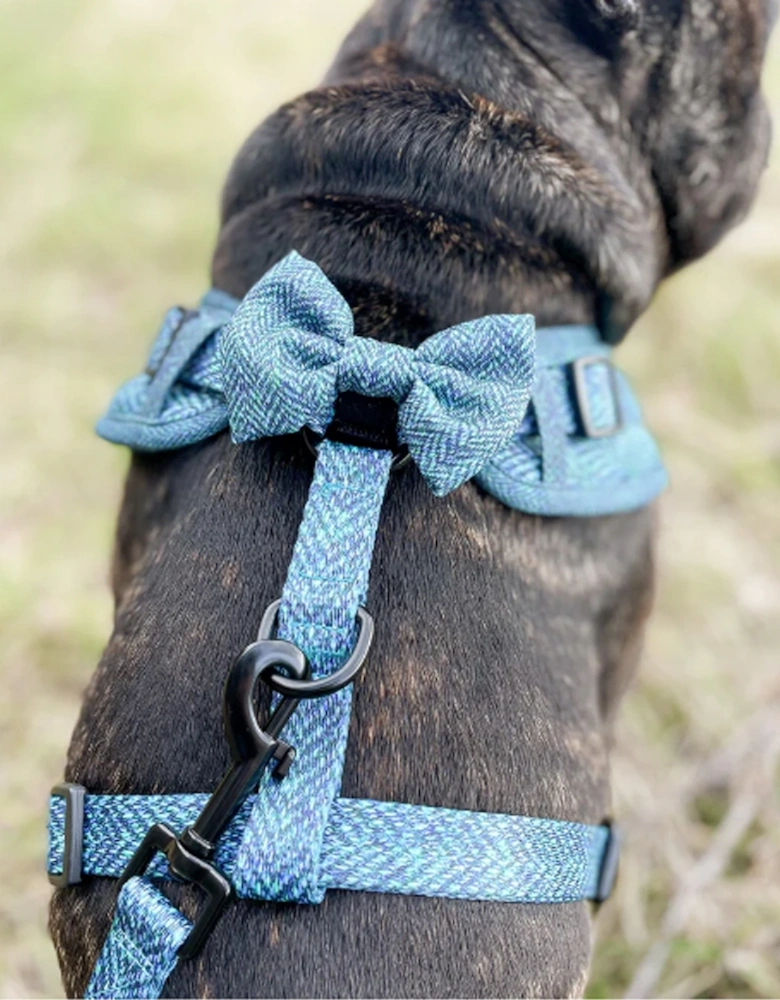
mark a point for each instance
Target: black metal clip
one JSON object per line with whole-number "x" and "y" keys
{"x": 284, "y": 668}
{"x": 252, "y": 747}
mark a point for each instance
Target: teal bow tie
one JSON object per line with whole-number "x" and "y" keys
{"x": 290, "y": 349}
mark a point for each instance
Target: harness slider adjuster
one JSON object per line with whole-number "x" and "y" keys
{"x": 610, "y": 861}
{"x": 73, "y": 795}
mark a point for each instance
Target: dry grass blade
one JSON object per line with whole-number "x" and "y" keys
{"x": 752, "y": 784}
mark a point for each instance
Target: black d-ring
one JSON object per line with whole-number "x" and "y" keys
{"x": 291, "y": 687}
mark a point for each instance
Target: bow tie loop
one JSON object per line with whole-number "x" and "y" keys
{"x": 290, "y": 349}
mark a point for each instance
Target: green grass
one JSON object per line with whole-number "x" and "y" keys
{"x": 117, "y": 124}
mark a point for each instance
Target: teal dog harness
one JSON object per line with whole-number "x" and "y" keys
{"x": 540, "y": 419}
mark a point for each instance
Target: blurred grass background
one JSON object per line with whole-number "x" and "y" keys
{"x": 118, "y": 121}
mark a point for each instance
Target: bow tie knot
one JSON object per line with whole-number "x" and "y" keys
{"x": 373, "y": 368}
{"x": 290, "y": 349}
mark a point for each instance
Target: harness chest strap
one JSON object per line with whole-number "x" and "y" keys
{"x": 461, "y": 396}
{"x": 368, "y": 846}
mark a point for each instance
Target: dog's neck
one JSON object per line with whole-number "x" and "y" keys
{"x": 476, "y": 156}
{"x": 436, "y": 183}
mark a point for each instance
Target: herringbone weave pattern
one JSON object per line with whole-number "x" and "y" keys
{"x": 328, "y": 578}
{"x": 290, "y": 349}
{"x": 141, "y": 949}
{"x": 370, "y": 847}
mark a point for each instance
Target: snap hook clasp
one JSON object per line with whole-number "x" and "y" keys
{"x": 252, "y": 747}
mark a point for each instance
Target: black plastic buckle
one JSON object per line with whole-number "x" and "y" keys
{"x": 190, "y": 868}
{"x": 610, "y": 861}
{"x": 589, "y": 426}
{"x": 74, "y": 834}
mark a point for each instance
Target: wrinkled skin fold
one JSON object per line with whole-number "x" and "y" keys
{"x": 462, "y": 157}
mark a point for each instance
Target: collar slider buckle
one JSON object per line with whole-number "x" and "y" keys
{"x": 610, "y": 861}
{"x": 589, "y": 396}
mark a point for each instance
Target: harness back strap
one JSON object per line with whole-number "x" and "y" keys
{"x": 279, "y": 854}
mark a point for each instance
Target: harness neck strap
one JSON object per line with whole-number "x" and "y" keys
{"x": 580, "y": 449}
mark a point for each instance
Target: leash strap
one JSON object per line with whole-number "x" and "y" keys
{"x": 142, "y": 947}
{"x": 370, "y": 846}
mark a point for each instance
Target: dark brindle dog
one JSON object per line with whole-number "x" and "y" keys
{"x": 463, "y": 157}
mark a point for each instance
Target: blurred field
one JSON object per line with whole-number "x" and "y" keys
{"x": 117, "y": 123}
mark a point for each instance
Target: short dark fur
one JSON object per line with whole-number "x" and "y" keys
{"x": 462, "y": 157}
